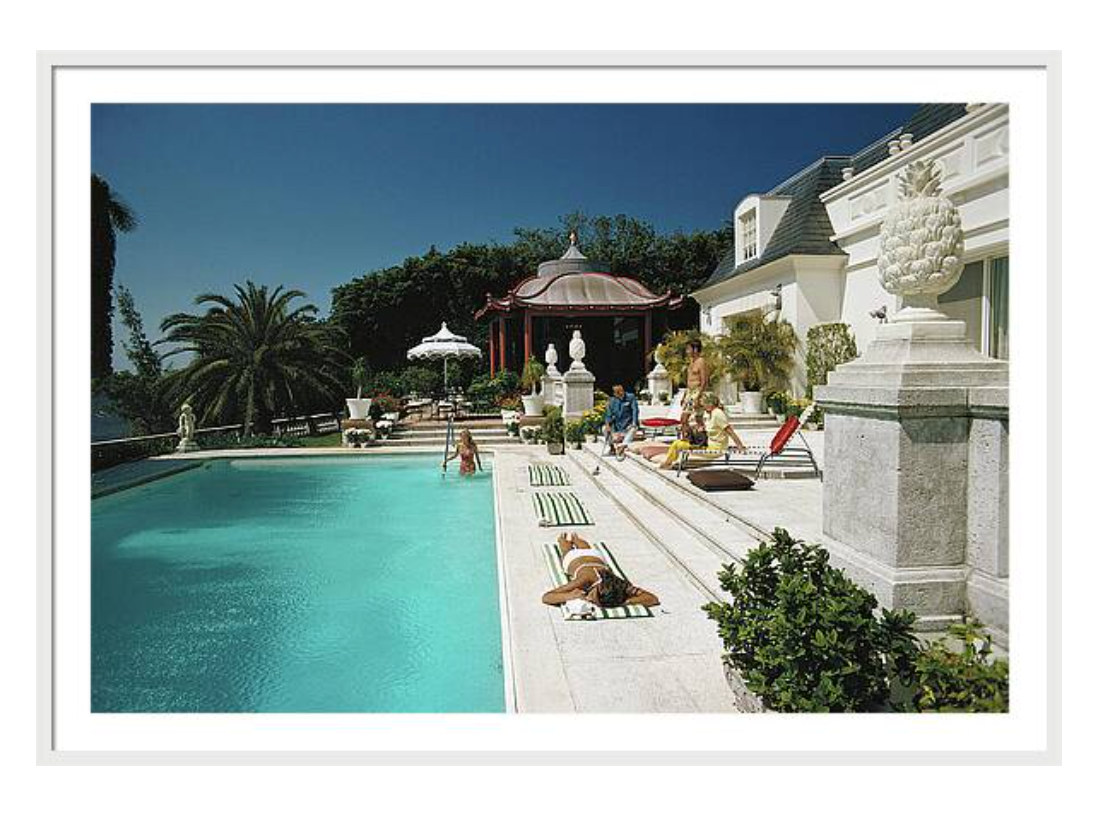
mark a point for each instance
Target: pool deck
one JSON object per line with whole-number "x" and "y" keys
{"x": 670, "y": 538}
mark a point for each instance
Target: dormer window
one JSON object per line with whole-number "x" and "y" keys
{"x": 748, "y": 239}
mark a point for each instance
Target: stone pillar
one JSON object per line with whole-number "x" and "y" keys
{"x": 915, "y": 488}
{"x": 552, "y": 378}
{"x": 658, "y": 381}
{"x": 578, "y": 382}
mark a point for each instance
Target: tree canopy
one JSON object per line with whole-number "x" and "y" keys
{"x": 255, "y": 356}
{"x": 387, "y": 311}
{"x": 109, "y": 215}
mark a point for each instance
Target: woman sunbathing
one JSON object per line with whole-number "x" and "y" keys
{"x": 591, "y": 579}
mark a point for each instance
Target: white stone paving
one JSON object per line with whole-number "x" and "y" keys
{"x": 666, "y": 663}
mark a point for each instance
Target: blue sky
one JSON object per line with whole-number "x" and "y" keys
{"x": 311, "y": 196}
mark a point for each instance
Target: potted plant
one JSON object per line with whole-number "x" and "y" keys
{"x": 800, "y": 636}
{"x": 759, "y": 354}
{"x": 553, "y": 430}
{"x": 530, "y": 383}
{"x": 575, "y": 434}
{"x": 777, "y": 405}
{"x": 362, "y": 377}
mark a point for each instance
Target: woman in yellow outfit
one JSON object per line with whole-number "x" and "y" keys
{"x": 718, "y": 428}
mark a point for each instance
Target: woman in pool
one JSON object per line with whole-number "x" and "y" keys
{"x": 591, "y": 579}
{"x": 466, "y": 450}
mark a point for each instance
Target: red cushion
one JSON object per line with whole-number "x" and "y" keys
{"x": 783, "y": 435}
{"x": 660, "y": 422}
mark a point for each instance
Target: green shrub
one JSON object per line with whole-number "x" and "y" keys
{"x": 777, "y": 401}
{"x": 827, "y": 346}
{"x": 804, "y": 636}
{"x": 553, "y": 431}
{"x": 672, "y": 353}
{"x": 958, "y": 674}
{"x": 489, "y": 393}
{"x": 575, "y": 433}
{"x": 758, "y": 351}
{"x": 532, "y": 374}
{"x": 361, "y": 376}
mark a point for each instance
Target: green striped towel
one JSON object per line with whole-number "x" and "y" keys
{"x": 544, "y": 474}
{"x": 559, "y": 577}
{"x": 559, "y": 507}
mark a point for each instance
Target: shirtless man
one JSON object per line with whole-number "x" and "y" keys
{"x": 697, "y": 379}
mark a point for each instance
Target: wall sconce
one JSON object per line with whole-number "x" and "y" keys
{"x": 777, "y": 297}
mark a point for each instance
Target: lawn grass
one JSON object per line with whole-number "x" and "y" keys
{"x": 321, "y": 440}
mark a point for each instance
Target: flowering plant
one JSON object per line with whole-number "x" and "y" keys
{"x": 357, "y": 436}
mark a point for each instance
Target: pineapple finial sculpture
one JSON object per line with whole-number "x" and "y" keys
{"x": 921, "y": 242}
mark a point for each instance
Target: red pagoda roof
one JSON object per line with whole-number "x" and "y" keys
{"x": 573, "y": 283}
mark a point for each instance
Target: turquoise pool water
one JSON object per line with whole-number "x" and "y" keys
{"x": 298, "y": 585}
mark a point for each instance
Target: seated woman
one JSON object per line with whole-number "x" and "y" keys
{"x": 718, "y": 432}
{"x": 466, "y": 450}
{"x": 591, "y": 579}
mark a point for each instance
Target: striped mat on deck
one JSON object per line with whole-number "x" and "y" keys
{"x": 559, "y": 577}
{"x": 558, "y": 507}
{"x": 543, "y": 474}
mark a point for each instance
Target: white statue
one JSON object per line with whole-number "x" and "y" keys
{"x": 921, "y": 242}
{"x": 551, "y": 360}
{"x": 187, "y": 426}
{"x": 577, "y": 351}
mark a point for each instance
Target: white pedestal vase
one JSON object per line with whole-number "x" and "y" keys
{"x": 751, "y": 402}
{"x": 533, "y": 404}
{"x": 358, "y": 408}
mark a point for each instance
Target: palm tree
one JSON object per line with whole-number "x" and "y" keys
{"x": 110, "y": 215}
{"x": 759, "y": 351}
{"x": 255, "y": 356}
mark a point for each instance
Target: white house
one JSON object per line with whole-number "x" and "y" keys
{"x": 807, "y": 249}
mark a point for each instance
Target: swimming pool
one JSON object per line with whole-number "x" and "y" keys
{"x": 298, "y": 585}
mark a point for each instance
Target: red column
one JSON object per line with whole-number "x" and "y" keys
{"x": 503, "y": 343}
{"x": 526, "y": 337}
{"x": 492, "y": 349}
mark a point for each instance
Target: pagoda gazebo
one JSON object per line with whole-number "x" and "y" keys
{"x": 620, "y": 319}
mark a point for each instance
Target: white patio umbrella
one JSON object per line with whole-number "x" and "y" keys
{"x": 444, "y": 345}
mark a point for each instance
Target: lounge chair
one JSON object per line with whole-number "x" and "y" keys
{"x": 655, "y": 427}
{"x": 779, "y": 452}
{"x": 559, "y": 577}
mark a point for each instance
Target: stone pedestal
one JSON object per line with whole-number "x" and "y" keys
{"x": 915, "y": 487}
{"x": 186, "y": 446}
{"x": 577, "y": 392}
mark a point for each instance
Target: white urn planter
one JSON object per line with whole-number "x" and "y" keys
{"x": 751, "y": 401}
{"x": 533, "y": 404}
{"x": 358, "y": 408}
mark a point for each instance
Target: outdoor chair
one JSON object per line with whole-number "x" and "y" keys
{"x": 655, "y": 427}
{"x": 780, "y": 452}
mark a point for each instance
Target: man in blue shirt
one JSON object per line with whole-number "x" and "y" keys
{"x": 621, "y": 420}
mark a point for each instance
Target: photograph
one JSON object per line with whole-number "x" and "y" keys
{"x": 559, "y": 407}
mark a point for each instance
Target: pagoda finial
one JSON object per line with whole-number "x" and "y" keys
{"x": 573, "y": 238}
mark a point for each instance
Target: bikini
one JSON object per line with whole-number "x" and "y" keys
{"x": 588, "y": 554}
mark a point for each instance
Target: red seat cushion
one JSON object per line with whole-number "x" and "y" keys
{"x": 660, "y": 422}
{"x": 783, "y": 435}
